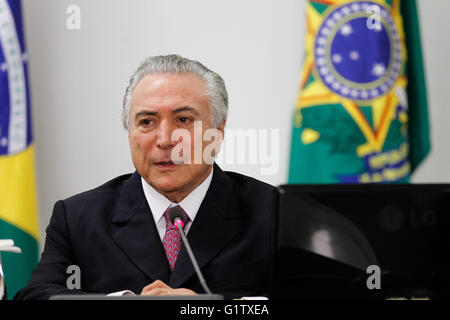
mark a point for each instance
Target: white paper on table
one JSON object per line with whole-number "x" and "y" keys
{"x": 8, "y": 246}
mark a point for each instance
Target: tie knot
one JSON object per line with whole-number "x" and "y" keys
{"x": 169, "y": 224}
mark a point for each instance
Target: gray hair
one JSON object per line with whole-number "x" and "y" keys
{"x": 216, "y": 91}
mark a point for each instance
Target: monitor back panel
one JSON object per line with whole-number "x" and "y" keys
{"x": 327, "y": 236}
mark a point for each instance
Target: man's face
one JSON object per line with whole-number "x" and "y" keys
{"x": 160, "y": 104}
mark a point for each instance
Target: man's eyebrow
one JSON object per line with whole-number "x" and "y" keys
{"x": 154, "y": 113}
{"x": 145, "y": 113}
{"x": 182, "y": 109}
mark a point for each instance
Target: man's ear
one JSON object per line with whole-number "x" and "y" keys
{"x": 221, "y": 128}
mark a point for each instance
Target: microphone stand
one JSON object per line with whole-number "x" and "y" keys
{"x": 192, "y": 257}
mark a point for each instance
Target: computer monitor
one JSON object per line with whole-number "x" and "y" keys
{"x": 328, "y": 241}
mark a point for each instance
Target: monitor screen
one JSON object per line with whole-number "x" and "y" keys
{"x": 361, "y": 241}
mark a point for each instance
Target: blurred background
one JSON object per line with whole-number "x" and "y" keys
{"x": 78, "y": 77}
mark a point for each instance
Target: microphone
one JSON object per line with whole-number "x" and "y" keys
{"x": 176, "y": 217}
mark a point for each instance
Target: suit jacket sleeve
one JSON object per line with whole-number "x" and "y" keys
{"x": 50, "y": 277}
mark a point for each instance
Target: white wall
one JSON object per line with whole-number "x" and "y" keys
{"x": 78, "y": 77}
{"x": 435, "y": 40}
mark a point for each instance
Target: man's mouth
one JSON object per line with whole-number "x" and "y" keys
{"x": 165, "y": 164}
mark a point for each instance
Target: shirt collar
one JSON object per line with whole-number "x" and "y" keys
{"x": 158, "y": 203}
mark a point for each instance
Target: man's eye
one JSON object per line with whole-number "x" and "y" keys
{"x": 145, "y": 122}
{"x": 184, "y": 120}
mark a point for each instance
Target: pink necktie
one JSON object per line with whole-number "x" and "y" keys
{"x": 172, "y": 238}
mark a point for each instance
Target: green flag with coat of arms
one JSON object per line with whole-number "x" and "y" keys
{"x": 362, "y": 112}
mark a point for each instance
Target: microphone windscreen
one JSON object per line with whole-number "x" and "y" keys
{"x": 175, "y": 212}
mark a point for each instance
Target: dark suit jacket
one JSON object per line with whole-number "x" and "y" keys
{"x": 110, "y": 233}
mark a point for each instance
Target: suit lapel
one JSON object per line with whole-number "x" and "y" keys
{"x": 216, "y": 224}
{"x": 134, "y": 231}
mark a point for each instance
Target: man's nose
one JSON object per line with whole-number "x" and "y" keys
{"x": 164, "y": 135}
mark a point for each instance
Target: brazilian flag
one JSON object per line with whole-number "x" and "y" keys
{"x": 18, "y": 207}
{"x": 361, "y": 114}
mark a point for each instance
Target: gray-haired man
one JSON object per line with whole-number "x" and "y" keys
{"x": 119, "y": 235}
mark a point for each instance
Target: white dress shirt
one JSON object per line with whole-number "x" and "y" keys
{"x": 158, "y": 203}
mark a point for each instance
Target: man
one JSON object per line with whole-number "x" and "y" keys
{"x": 118, "y": 234}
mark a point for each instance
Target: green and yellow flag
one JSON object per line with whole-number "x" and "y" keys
{"x": 361, "y": 114}
{"x": 18, "y": 208}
